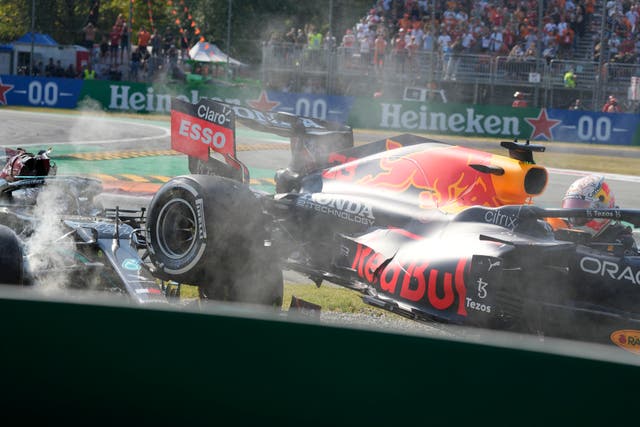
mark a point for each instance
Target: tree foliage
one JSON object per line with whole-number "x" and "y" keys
{"x": 251, "y": 23}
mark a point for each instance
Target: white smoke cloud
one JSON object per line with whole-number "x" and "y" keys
{"x": 49, "y": 248}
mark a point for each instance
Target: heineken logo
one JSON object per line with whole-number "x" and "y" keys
{"x": 398, "y": 116}
{"x": 124, "y": 98}
{"x": 395, "y": 117}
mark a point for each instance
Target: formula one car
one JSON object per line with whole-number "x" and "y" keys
{"x": 26, "y": 174}
{"x": 53, "y": 233}
{"x": 428, "y": 230}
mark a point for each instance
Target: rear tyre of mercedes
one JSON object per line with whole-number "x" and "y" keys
{"x": 11, "y": 258}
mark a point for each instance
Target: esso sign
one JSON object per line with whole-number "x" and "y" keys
{"x": 203, "y": 134}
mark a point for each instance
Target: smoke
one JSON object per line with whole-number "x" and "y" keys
{"x": 47, "y": 248}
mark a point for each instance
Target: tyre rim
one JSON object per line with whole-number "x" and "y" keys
{"x": 177, "y": 228}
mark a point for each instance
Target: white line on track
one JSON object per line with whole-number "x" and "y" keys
{"x": 612, "y": 176}
{"x": 165, "y": 132}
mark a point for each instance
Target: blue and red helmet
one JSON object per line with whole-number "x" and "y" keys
{"x": 589, "y": 192}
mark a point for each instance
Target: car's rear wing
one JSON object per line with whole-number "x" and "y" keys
{"x": 198, "y": 130}
{"x": 207, "y": 127}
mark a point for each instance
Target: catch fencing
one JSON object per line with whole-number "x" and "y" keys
{"x": 343, "y": 69}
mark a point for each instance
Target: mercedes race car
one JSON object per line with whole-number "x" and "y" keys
{"x": 432, "y": 231}
{"x": 56, "y": 235}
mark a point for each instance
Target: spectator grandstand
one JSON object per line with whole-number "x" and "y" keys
{"x": 479, "y": 51}
{"x": 486, "y": 47}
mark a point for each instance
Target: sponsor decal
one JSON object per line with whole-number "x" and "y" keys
{"x": 482, "y": 288}
{"x": 394, "y": 117}
{"x": 494, "y": 264}
{"x": 196, "y": 128}
{"x": 542, "y": 125}
{"x": 609, "y": 269}
{"x": 335, "y": 108}
{"x": 123, "y": 98}
{"x": 416, "y": 282}
{"x": 4, "y": 88}
{"x": 263, "y": 103}
{"x": 348, "y": 210}
{"x": 202, "y": 231}
{"x": 478, "y": 306}
{"x": 131, "y": 264}
{"x": 628, "y": 339}
{"x": 596, "y": 213}
{"x": 498, "y": 218}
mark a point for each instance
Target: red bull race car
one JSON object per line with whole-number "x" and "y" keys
{"x": 432, "y": 231}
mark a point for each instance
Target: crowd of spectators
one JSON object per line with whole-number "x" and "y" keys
{"x": 151, "y": 52}
{"x": 53, "y": 69}
{"x": 400, "y": 30}
{"x": 119, "y": 54}
{"x": 621, "y": 35}
{"x": 403, "y": 36}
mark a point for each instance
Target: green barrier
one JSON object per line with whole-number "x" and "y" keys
{"x": 156, "y": 98}
{"x": 106, "y": 362}
{"x": 461, "y": 120}
{"x": 447, "y": 119}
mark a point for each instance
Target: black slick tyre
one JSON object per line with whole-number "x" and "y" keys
{"x": 11, "y": 257}
{"x": 210, "y": 231}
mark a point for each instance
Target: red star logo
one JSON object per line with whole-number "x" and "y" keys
{"x": 3, "y": 90}
{"x": 263, "y": 103}
{"x": 542, "y": 125}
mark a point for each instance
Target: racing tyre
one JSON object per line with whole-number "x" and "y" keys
{"x": 210, "y": 231}
{"x": 11, "y": 260}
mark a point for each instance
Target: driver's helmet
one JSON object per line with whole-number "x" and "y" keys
{"x": 22, "y": 164}
{"x": 589, "y": 192}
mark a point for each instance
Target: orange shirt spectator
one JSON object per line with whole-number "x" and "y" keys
{"x": 565, "y": 38}
{"x": 495, "y": 17}
{"x": 626, "y": 22}
{"x": 143, "y": 37}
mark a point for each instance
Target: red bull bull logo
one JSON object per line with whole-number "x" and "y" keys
{"x": 442, "y": 176}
